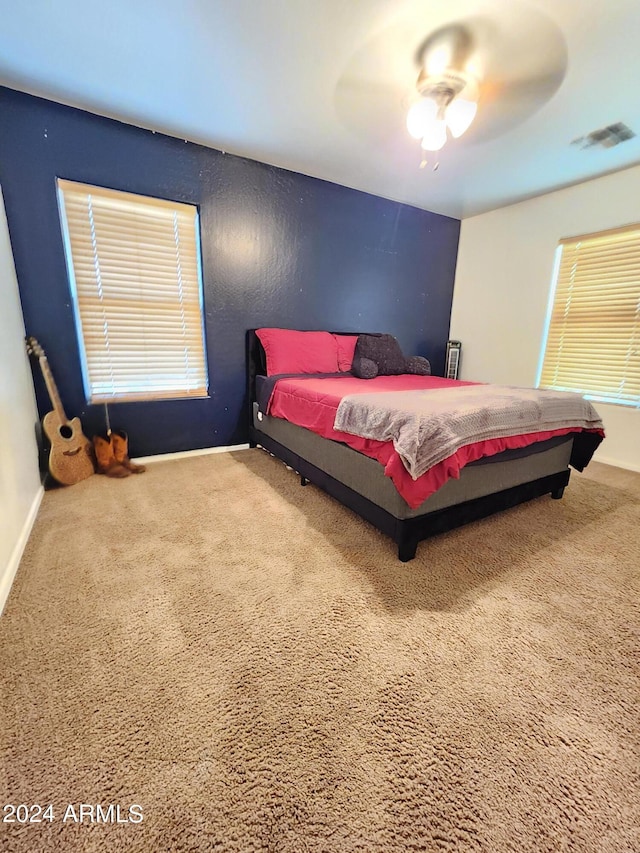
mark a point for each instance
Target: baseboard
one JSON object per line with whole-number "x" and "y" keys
{"x": 617, "y": 463}
{"x": 9, "y": 573}
{"x": 184, "y": 454}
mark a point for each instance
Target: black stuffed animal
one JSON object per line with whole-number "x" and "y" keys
{"x": 380, "y": 355}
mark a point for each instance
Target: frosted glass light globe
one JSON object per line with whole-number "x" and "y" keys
{"x": 420, "y": 115}
{"x": 435, "y": 135}
{"x": 459, "y": 115}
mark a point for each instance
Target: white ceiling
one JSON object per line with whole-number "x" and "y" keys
{"x": 262, "y": 78}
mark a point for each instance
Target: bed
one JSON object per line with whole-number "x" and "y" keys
{"x": 485, "y": 486}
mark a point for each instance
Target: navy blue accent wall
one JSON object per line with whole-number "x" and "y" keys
{"x": 278, "y": 249}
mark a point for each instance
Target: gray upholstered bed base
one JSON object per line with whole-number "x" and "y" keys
{"x": 366, "y": 476}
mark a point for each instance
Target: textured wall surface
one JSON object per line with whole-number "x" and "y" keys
{"x": 278, "y": 249}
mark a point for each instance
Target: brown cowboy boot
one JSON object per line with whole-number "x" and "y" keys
{"x": 120, "y": 444}
{"x": 106, "y": 462}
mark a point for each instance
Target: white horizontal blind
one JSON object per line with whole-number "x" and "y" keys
{"x": 134, "y": 264}
{"x": 593, "y": 339}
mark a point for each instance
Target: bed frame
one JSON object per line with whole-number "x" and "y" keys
{"x": 405, "y": 532}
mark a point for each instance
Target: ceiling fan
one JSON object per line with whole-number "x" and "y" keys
{"x": 448, "y": 88}
{"x": 436, "y": 77}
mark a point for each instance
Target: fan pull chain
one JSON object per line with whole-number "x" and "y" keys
{"x": 424, "y": 162}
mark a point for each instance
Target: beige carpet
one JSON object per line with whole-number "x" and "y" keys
{"x": 250, "y": 663}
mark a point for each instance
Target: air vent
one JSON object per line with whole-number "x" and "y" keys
{"x": 606, "y": 137}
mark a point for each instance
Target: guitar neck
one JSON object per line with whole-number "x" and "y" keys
{"x": 52, "y": 389}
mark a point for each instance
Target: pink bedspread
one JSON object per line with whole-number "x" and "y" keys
{"x": 312, "y": 403}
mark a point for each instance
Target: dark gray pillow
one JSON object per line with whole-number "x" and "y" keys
{"x": 364, "y": 368}
{"x": 384, "y": 351}
{"x": 418, "y": 365}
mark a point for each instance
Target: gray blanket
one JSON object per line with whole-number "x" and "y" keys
{"x": 426, "y": 427}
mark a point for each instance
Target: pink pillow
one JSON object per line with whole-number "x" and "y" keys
{"x": 289, "y": 351}
{"x": 346, "y": 350}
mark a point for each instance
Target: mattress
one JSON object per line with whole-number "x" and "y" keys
{"x": 366, "y": 476}
{"x": 311, "y": 402}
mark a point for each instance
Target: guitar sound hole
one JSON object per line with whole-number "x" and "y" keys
{"x": 66, "y": 431}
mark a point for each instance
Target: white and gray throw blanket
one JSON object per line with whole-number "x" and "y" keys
{"x": 428, "y": 426}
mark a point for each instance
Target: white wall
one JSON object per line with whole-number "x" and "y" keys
{"x": 503, "y": 279}
{"x": 20, "y": 490}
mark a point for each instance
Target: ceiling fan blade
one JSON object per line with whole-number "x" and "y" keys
{"x": 507, "y": 103}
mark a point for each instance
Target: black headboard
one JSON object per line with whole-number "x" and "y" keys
{"x": 256, "y": 363}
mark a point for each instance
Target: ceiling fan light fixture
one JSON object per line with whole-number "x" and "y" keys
{"x": 448, "y": 104}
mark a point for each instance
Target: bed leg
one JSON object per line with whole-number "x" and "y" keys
{"x": 557, "y": 494}
{"x": 303, "y": 480}
{"x": 407, "y": 549}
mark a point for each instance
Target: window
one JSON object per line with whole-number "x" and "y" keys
{"x": 134, "y": 268}
{"x": 593, "y": 329}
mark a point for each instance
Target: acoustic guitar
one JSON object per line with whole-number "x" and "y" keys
{"x": 70, "y": 456}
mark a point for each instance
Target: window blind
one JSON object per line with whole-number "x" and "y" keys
{"x": 593, "y": 337}
{"x": 135, "y": 272}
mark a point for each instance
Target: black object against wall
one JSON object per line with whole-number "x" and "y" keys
{"x": 278, "y": 249}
